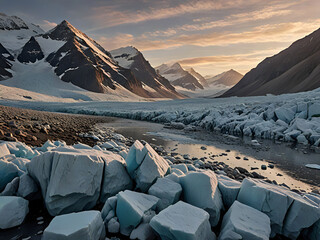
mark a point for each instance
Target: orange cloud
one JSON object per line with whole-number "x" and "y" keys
{"x": 110, "y": 16}
{"x": 234, "y": 19}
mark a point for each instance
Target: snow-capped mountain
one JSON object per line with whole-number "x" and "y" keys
{"x": 228, "y": 78}
{"x": 199, "y": 77}
{"x": 294, "y": 69}
{"x": 156, "y": 85}
{"x": 84, "y": 63}
{"x": 178, "y": 76}
{"x": 65, "y": 54}
{"x": 14, "y": 31}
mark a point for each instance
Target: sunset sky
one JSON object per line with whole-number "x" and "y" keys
{"x": 210, "y": 36}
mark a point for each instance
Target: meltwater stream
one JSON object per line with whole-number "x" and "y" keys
{"x": 288, "y": 161}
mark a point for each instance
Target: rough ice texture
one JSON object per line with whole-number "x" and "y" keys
{"x": 313, "y": 233}
{"x": 135, "y": 156}
{"x": 27, "y": 186}
{"x": 229, "y": 189}
{"x": 74, "y": 226}
{"x": 201, "y": 190}
{"x": 289, "y": 212}
{"x": 182, "y": 221}
{"x": 145, "y": 165}
{"x": 4, "y": 150}
{"x": 11, "y": 188}
{"x": 13, "y": 211}
{"x": 167, "y": 191}
{"x": 8, "y": 171}
{"x": 244, "y": 222}
{"x": 237, "y": 116}
{"x": 116, "y": 177}
{"x": 71, "y": 179}
{"x": 131, "y": 206}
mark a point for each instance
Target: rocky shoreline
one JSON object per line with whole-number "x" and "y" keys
{"x": 36, "y": 127}
{"x": 79, "y": 132}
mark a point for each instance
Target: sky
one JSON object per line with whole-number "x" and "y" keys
{"x": 211, "y": 36}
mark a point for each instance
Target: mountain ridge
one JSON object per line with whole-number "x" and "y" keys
{"x": 294, "y": 69}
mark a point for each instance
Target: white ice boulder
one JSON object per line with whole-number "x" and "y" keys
{"x": 11, "y": 188}
{"x": 229, "y": 189}
{"x": 75, "y": 226}
{"x": 4, "y": 150}
{"x": 135, "y": 156}
{"x": 244, "y": 222}
{"x": 167, "y": 191}
{"x": 302, "y": 214}
{"x": 183, "y": 221}
{"x": 313, "y": 233}
{"x": 116, "y": 177}
{"x": 82, "y": 146}
{"x": 289, "y": 213}
{"x": 314, "y": 110}
{"x": 27, "y": 186}
{"x": 131, "y": 206}
{"x": 285, "y": 114}
{"x": 152, "y": 167}
{"x": 181, "y": 166}
{"x": 8, "y": 171}
{"x": 113, "y": 225}
{"x": 13, "y": 211}
{"x": 201, "y": 190}
{"x": 21, "y": 150}
{"x": 70, "y": 179}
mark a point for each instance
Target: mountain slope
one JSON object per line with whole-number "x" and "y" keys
{"x": 199, "y": 77}
{"x": 178, "y": 76}
{"x": 228, "y": 78}
{"x": 294, "y": 69}
{"x": 156, "y": 85}
{"x": 86, "y": 64}
{"x": 14, "y": 32}
{"x": 5, "y": 64}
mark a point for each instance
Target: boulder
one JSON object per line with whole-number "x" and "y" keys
{"x": 302, "y": 214}
{"x": 13, "y": 211}
{"x": 8, "y": 171}
{"x": 229, "y": 189}
{"x": 314, "y": 110}
{"x": 201, "y": 190}
{"x": 285, "y": 114}
{"x": 4, "y": 150}
{"x": 116, "y": 177}
{"x": 27, "y": 187}
{"x": 244, "y": 222}
{"x": 70, "y": 179}
{"x": 183, "y": 221}
{"x": 135, "y": 156}
{"x": 131, "y": 207}
{"x": 11, "y": 188}
{"x": 167, "y": 191}
{"x": 181, "y": 166}
{"x": 289, "y": 213}
{"x": 74, "y": 226}
{"x": 113, "y": 225}
{"x": 152, "y": 167}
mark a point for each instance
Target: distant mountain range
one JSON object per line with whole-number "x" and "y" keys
{"x": 156, "y": 85}
{"x": 228, "y": 78}
{"x": 294, "y": 69}
{"x": 179, "y": 77}
{"x": 75, "y": 58}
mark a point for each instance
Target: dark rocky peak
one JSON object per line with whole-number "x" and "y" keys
{"x": 31, "y": 52}
{"x": 66, "y": 32}
{"x": 5, "y": 53}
